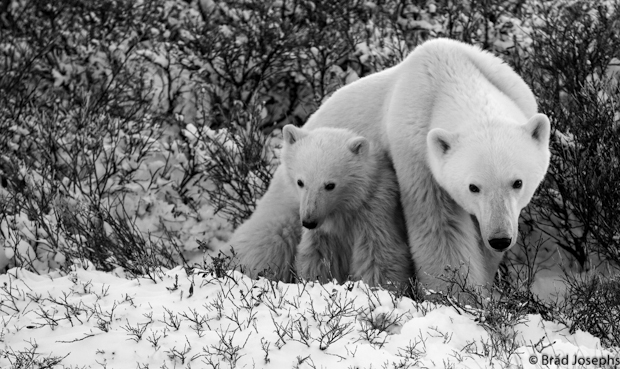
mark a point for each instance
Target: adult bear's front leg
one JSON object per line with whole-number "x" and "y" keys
{"x": 440, "y": 233}
{"x": 265, "y": 244}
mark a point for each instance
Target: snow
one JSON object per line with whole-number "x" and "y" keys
{"x": 93, "y": 319}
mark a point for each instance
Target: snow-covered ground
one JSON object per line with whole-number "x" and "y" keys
{"x": 92, "y": 319}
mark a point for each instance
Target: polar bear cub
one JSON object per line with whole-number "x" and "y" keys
{"x": 349, "y": 206}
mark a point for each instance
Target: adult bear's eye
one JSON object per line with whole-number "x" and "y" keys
{"x": 517, "y": 184}
{"x": 474, "y": 188}
{"x": 300, "y": 183}
{"x": 330, "y": 186}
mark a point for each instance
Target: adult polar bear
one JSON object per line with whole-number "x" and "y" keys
{"x": 468, "y": 147}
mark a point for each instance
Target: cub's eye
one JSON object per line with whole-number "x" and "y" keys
{"x": 517, "y": 184}
{"x": 474, "y": 188}
{"x": 300, "y": 183}
{"x": 330, "y": 186}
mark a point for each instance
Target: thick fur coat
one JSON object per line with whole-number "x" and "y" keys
{"x": 349, "y": 206}
{"x": 469, "y": 149}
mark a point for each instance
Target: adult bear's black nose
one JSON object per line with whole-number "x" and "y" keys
{"x": 309, "y": 225}
{"x": 500, "y": 244}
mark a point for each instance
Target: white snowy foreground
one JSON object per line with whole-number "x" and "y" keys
{"x": 91, "y": 319}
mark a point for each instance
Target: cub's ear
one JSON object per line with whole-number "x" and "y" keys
{"x": 440, "y": 142}
{"x": 539, "y": 128}
{"x": 292, "y": 134}
{"x": 359, "y": 146}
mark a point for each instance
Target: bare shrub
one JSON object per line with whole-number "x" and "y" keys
{"x": 83, "y": 143}
{"x": 568, "y": 67}
{"x": 591, "y": 305}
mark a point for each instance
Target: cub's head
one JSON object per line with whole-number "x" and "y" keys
{"x": 493, "y": 173}
{"x": 330, "y": 169}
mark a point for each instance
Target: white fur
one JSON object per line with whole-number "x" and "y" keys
{"x": 478, "y": 105}
{"x": 357, "y": 227}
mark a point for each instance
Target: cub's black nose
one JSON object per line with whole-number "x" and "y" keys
{"x": 500, "y": 244}
{"x": 309, "y": 225}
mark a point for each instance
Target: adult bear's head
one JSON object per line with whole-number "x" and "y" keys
{"x": 492, "y": 172}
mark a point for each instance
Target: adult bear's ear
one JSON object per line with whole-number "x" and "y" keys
{"x": 440, "y": 142}
{"x": 539, "y": 128}
{"x": 359, "y": 146}
{"x": 292, "y": 134}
